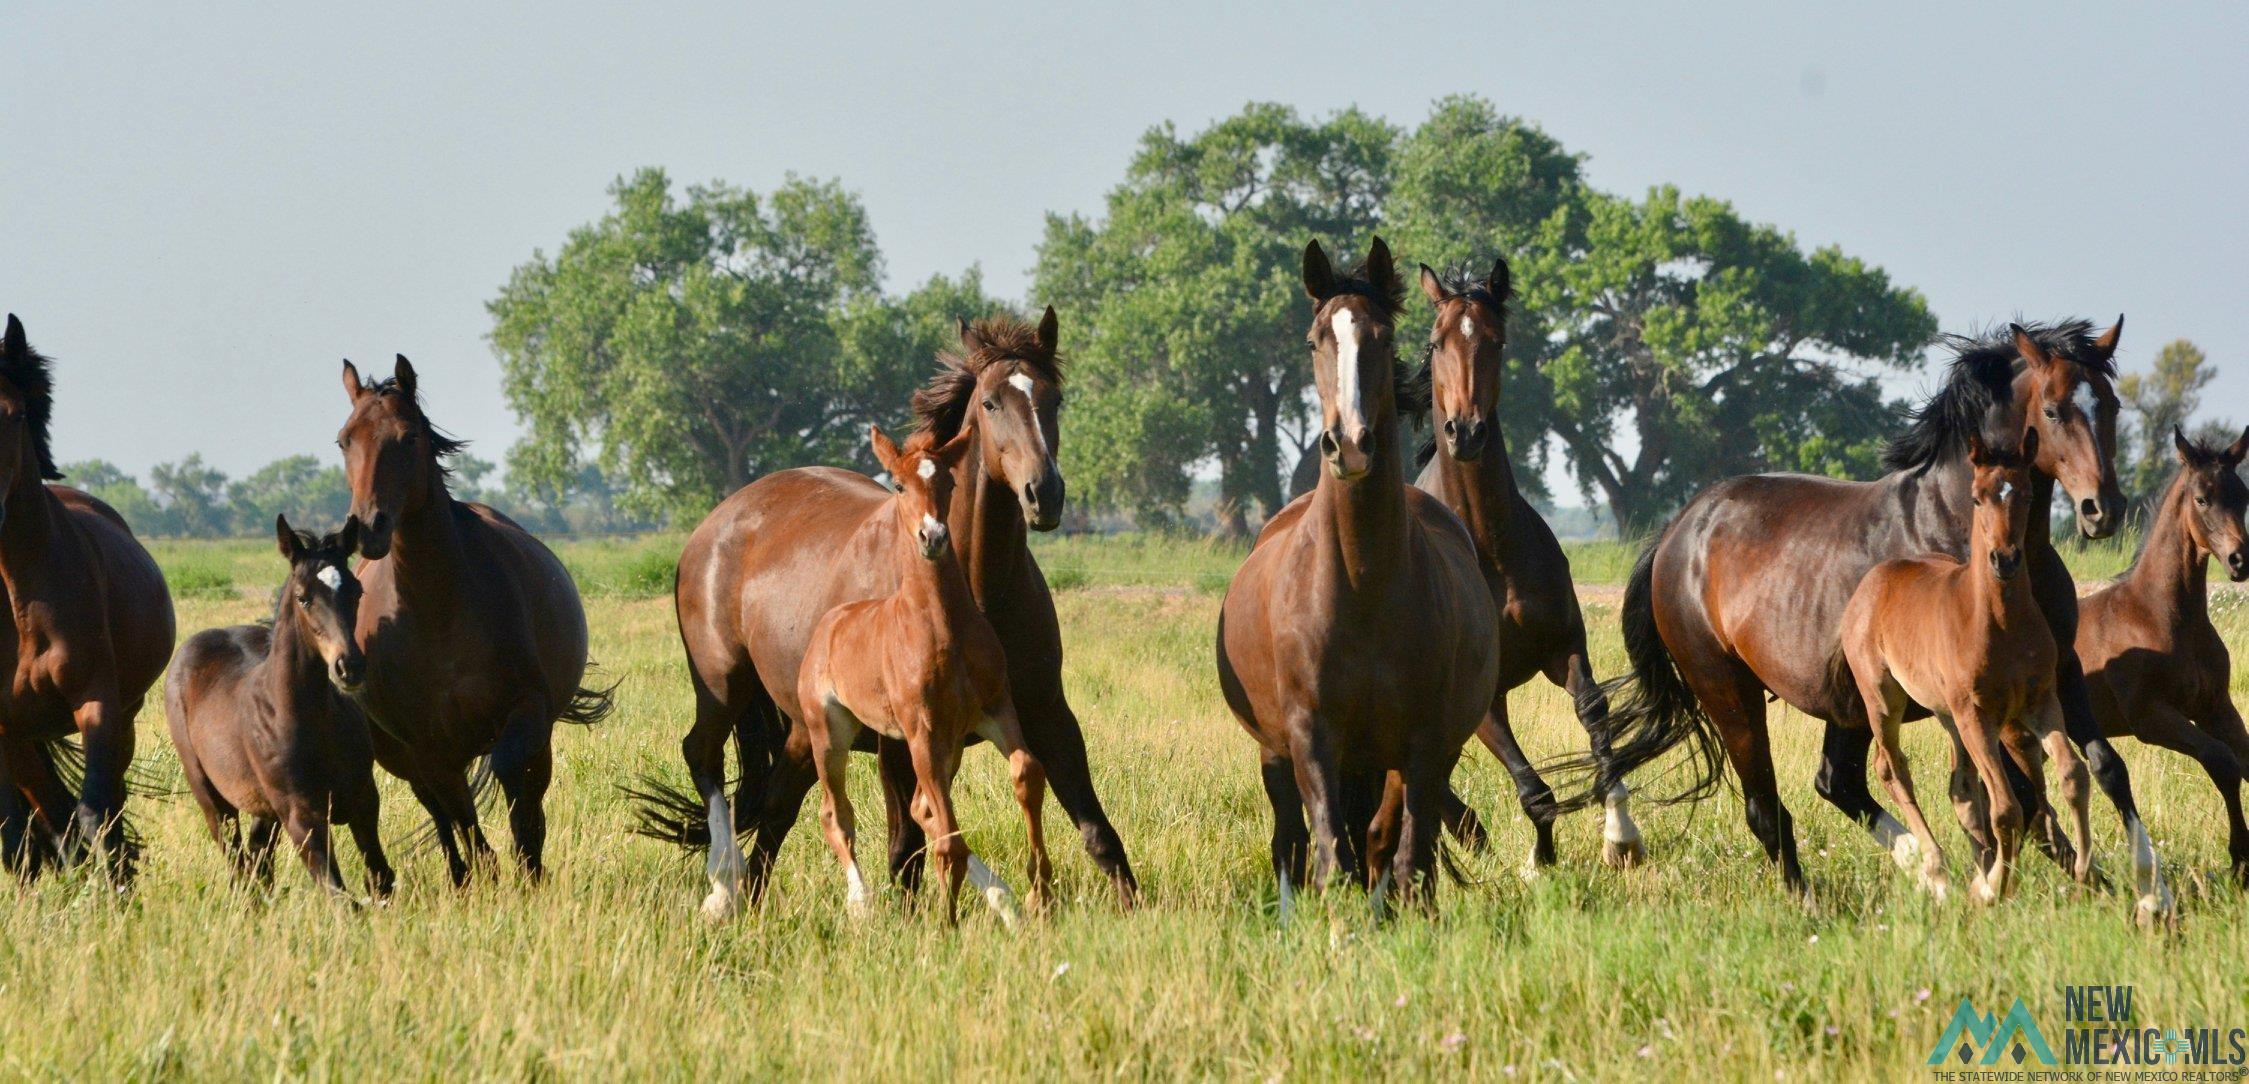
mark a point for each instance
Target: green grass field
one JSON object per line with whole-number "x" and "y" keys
{"x": 1696, "y": 965}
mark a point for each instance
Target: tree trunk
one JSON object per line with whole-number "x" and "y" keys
{"x": 1265, "y": 449}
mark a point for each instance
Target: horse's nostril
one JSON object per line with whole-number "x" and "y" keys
{"x": 1328, "y": 445}
{"x": 2089, "y": 508}
{"x": 1030, "y": 496}
{"x": 1452, "y": 428}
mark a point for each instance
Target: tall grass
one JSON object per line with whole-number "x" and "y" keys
{"x": 1698, "y": 965}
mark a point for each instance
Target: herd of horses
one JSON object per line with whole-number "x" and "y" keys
{"x": 1374, "y": 628}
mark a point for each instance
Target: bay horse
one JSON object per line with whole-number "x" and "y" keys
{"x": 263, "y": 721}
{"x": 85, "y": 628}
{"x": 1540, "y": 628}
{"x": 474, "y": 634}
{"x": 1355, "y": 642}
{"x": 762, "y": 569}
{"x": 1741, "y": 595}
{"x": 1966, "y": 639}
{"x": 924, "y": 668}
{"x": 2159, "y": 671}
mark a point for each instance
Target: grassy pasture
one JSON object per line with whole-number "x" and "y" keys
{"x": 1697, "y": 964}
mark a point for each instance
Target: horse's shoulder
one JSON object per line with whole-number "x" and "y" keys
{"x": 1284, "y": 520}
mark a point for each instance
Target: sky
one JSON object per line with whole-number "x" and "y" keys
{"x": 204, "y": 208}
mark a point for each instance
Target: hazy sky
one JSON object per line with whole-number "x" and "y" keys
{"x": 202, "y": 212}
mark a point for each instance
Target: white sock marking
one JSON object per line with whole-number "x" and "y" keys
{"x": 1288, "y": 899}
{"x": 1347, "y": 370}
{"x": 994, "y": 890}
{"x": 855, "y": 895}
{"x": 1617, "y": 826}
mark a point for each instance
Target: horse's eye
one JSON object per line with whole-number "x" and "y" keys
{"x": 2052, "y": 413}
{"x": 991, "y": 406}
{"x": 2202, "y": 502}
{"x": 304, "y": 598}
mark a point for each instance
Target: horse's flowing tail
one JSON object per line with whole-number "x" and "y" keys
{"x": 1651, "y": 709}
{"x": 589, "y": 705}
{"x": 673, "y": 814}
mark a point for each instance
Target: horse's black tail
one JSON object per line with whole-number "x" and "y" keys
{"x": 142, "y": 778}
{"x": 674, "y": 814}
{"x": 668, "y": 813}
{"x": 1651, "y": 710}
{"x": 589, "y": 705}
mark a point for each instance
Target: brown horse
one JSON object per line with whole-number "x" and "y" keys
{"x": 922, "y": 667}
{"x": 2158, "y": 668}
{"x": 261, "y": 718}
{"x": 475, "y": 639}
{"x": 1355, "y": 641}
{"x": 1541, "y": 630}
{"x": 85, "y": 629}
{"x": 1967, "y": 639}
{"x": 1743, "y": 593}
{"x": 775, "y": 557}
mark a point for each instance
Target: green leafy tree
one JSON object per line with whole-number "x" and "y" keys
{"x": 119, "y": 490}
{"x": 2167, "y": 395}
{"x": 887, "y": 348}
{"x": 1187, "y": 314}
{"x": 685, "y": 345}
{"x": 314, "y": 497}
{"x": 192, "y": 494}
{"x": 1717, "y": 346}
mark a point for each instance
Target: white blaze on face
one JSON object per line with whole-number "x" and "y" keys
{"x": 927, "y": 470}
{"x": 1351, "y": 415}
{"x": 2086, "y": 403}
{"x": 329, "y": 575}
{"x": 1022, "y": 384}
{"x": 2006, "y": 491}
{"x": 1467, "y": 328}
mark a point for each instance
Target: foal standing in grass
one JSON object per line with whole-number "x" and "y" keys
{"x": 262, "y": 724}
{"x": 1968, "y": 640}
{"x": 922, "y": 666}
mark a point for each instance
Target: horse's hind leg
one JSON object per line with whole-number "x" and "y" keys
{"x": 1029, "y": 776}
{"x": 1621, "y": 847}
{"x": 1531, "y": 790}
{"x": 781, "y": 795}
{"x": 1885, "y": 708}
{"x": 523, "y": 762}
{"x": 909, "y": 846}
{"x": 1731, "y": 696}
{"x": 20, "y": 848}
{"x": 257, "y": 850}
{"x": 2028, "y": 748}
{"x": 1051, "y": 731}
{"x": 2155, "y": 905}
{"x": 1842, "y": 782}
{"x": 704, "y": 749}
{"x": 1292, "y": 841}
{"x": 2171, "y": 730}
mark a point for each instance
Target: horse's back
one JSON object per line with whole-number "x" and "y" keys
{"x": 205, "y": 705}
{"x": 140, "y": 620}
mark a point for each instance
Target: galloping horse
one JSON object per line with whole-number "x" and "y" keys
{"x": 1743, "y": 593}
{"x": 921, "y": 667}
{"x": 1356, "y": 640}
{"x": 1967, "y": 639}
{"x": 770, "y": 560}
{"x": 262, "y": 721}
{"x": 85, "y": 629}
{"x": 2159, "y": 671}
{"x": 1541, "y": 630}
{"x": 475, "y": 638}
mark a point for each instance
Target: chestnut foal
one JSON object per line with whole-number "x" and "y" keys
{"x": 262, "y": 724}
{"x": 921, "y": 666}
{"x": 2158, "y": 669}
{"x": 1968, "y": 641}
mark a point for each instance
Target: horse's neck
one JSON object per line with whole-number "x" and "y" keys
{"x": 1366, "y": 516}
{"x": 295, "y": 673}
{"x": 27, "y": 536}
{"x": 2005, "y": 604}
{"x": 931, "y": 593}
{"x": 1486, "y": 490}
{"x": 1943, "y": 506}
{"x": 2172, "y": 573}
{"x": 987, "y": 527}
{"x": 426, "y": 553}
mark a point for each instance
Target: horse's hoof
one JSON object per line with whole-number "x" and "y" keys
{"x": 1623, "y": 853}
{"x": 2156, "y": 912}
{"x": 1936, "y": 885}
{"x": 1531, "y": 869}
{"x": 1906, "y": 852}
{"x": 721, "y": 904}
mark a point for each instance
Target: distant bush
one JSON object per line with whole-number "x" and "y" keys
{"x": 199, "y": 580}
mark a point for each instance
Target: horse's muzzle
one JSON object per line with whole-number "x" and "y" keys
{"x": 2098, "y": 517}
{"x": 1042, "y": 500}
{"x": 2237, "y": 566}
{"x": 1465, "y": 437}
{"x": 2005, "y": 565}
{"x": 348, "y": 672}
{"x": 374, "y": 535}
{"x": 1346, "y": 454}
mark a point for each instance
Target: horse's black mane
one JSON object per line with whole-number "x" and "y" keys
{"x": 1388, "y": 298}
{"x": 942, "y": 402}
{"x": 441, "y": 443}
{"x": 28, "y": 370}
{"x": 1980, "y": 377}
{"x": 1462, "y": 281}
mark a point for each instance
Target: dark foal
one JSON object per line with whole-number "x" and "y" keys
{"x": 263, "y": 726}
{"x": 2159, "y": 671}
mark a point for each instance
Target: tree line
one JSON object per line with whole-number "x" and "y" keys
{"x": 691, "y": 340}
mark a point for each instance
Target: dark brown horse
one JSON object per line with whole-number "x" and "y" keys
{"x": 85, "y": 629}
{"x": 770, "y": 560}
{"x": 263, "y": 724}
{"x": 924, "y": 668}
{"x": 1967, "y": 639}
{"x": 1540, "y": 630}
{"x": 475, "y": 639}
{"x": 1355, "y": 642}
{"x": 2158, "y": 668}
{"x": 1742, "y": 595}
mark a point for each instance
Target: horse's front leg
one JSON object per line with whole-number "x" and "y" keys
{"x": 105, "y": 728}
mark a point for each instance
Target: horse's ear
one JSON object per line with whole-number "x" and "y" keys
{"x": 1432, "y": 287}
{"x": 1380, "y": 270}
{"x": 1979, "y": 454}
{"x": 15, "y": 345}
{"x": 1319, "y": 276}
{"x": 2029, "y": 348}
{"x": 2237, "y": 450}
{"x": 971, "y": 339}
{"x": 2106, "y": 344}
{"x": 352, "y": 386}
{"x": 1050, "y": 332}
{"x": 283, "y": 534}
{"x": 404, "y": 375}
{"x": 2028, "y": 454}
{"x": 886, "y": 451}
{"x": 951, "y": 454}
{"x": 1501, "y": 282}
{"x": 2184, "y": 447}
